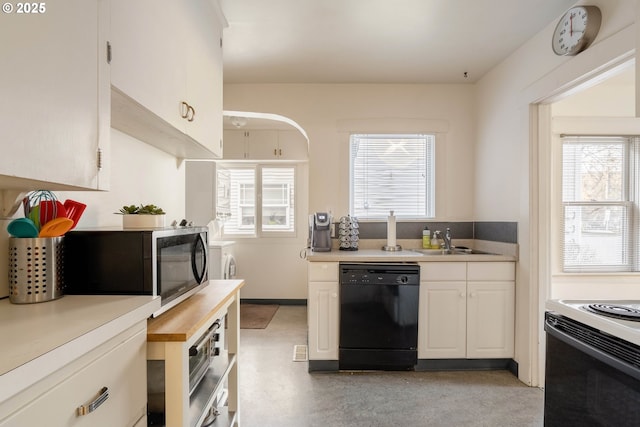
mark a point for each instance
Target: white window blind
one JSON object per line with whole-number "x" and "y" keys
{"x": 600, "y": 204}
{"x": 392, "y": 172}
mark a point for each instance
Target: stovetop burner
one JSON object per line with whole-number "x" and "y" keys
{"x": 615, "y": 311}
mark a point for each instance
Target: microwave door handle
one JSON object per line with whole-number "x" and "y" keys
{"x": 199, "y": 275}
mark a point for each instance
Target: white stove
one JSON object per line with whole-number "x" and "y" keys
{"x": 599, "y": 315}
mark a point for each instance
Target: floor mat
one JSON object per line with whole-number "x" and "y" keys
{"x": 256, "y": 316}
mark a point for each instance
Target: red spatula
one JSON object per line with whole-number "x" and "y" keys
{"x": 74, "y": 210}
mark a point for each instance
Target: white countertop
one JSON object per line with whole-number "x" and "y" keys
{"x": 38, "y": 339}
{"x": 379, "y": 255}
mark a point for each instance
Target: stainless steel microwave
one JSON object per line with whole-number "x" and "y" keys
{"x": 168, "y": 262}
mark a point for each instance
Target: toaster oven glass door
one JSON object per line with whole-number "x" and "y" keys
{"x": 182, "y": 264}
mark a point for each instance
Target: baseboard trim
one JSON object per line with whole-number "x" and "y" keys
{"x": 323, "y": 366}
{"x": 467, "y": 365}
{"x": 274, "y": 301}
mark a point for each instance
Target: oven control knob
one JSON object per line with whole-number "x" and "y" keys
{"x": 403, "y": 279}
{"x": 193, "y": 351}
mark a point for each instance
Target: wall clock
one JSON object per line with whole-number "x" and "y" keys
{"x": 576, "y": 30}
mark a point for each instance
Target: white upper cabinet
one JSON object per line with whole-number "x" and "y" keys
{"x": 263, "y": 136}
{"x": 54, "y": 107}
{"x": 265, "y": 145}
{"x": 166, "y": 74}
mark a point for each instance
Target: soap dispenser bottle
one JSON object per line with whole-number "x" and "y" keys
{"x": 426, "y": 238}
{"x": 435, "y": 241}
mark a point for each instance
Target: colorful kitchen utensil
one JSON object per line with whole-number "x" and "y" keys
{"x": 22, "y": 227}
{"x": 34, "y": 215}
{"x": 74, "y": 210}
{"x": 51, "y": 209}
{"x": 56, "y": 227}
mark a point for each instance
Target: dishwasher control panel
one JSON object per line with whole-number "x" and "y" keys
{"x": 382, "y": 274}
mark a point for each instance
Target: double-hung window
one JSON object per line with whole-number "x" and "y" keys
{"x": 600, "y": 204}
{"x": 261, "y": 200}
{"x": 392, "y": 172}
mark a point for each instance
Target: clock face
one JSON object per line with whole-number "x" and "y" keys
{"x": 576, "y": 30}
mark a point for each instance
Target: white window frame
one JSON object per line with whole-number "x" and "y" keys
{"x": 429, "y": 177}
{"x": 260, "y": 229}
{"x": 628, "y": 204}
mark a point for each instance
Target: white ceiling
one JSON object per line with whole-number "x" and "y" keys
{"x": 376, "y": 41}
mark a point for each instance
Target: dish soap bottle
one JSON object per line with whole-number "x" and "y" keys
{"x": 426, "y": 238}
{"x": 435, "y": 242}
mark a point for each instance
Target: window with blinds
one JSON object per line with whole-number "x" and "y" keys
{"x": 392, "y": 172}
{"x": 600, "y": 204}
{"x": 261, "y": 201}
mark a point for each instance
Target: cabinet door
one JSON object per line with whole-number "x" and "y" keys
{"x": 148, "y": 63}
{"x": 263, "y": 144}
{"x": 490, "y": 319}
{"x": 54, "y": 108}
{"x": 236, "y": 145}
{"x": 122, "y": 370}
{"x": 442, "y": 320}
{"x": 323, "y": 313}
{"x": 204, "y": 75}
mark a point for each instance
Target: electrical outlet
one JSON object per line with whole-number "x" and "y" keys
{"x": 333, "y": 230}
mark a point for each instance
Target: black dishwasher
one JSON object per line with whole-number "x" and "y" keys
{"x": 379, "y": 316}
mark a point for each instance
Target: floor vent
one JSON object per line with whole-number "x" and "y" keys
{"x": 300, "y": 353}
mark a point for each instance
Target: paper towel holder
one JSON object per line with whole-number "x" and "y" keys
{"x": 391, "y": 230}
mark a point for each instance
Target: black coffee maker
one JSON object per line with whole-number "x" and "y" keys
{"x": 320, "y": 232}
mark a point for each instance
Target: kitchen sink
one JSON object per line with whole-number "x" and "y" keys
{"x": 460, "y": 250}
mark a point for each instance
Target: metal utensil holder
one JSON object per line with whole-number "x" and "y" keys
{"x": 35, "y": 269}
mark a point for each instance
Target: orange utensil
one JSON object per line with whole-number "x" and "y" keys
{"x": 56, "y": 227}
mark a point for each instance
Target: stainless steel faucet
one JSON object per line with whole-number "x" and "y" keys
{"x": 447, "y": 239}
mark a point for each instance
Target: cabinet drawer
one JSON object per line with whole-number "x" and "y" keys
{"x": 323, "y": 271}
{"x": 432, "y": 271}
{"x": 491, "y": 271}
{"x": 122, "y": 370}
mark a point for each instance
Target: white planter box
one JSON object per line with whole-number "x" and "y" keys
{"x": 143, "y": 221}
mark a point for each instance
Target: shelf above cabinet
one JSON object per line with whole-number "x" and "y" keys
{"x": 132, "y": 118}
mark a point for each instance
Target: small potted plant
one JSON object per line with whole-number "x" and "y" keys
{"x": 143, "y": 216}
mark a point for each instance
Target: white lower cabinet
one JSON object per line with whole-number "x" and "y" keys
{"x": 467, "y": 310}
{"x": 442, "y": 328}
{"x": 108, "y": 388}
{"x": 490, "y": 320}
{"x": 323, "y": 311}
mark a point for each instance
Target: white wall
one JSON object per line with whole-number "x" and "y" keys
{"x": 327, "y": 113}
{"x": 272, "y": 267}
{"x": 140, "y": 174}
{"x": 320, "y": 108}
{"x": 506, "y": 185}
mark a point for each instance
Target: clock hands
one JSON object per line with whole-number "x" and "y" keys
{"x": 571, "y": 25}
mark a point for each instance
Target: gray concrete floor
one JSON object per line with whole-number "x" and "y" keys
{"x": 276, "y": 391}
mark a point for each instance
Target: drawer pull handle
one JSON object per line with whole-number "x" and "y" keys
{"x": 87, "y": 409}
